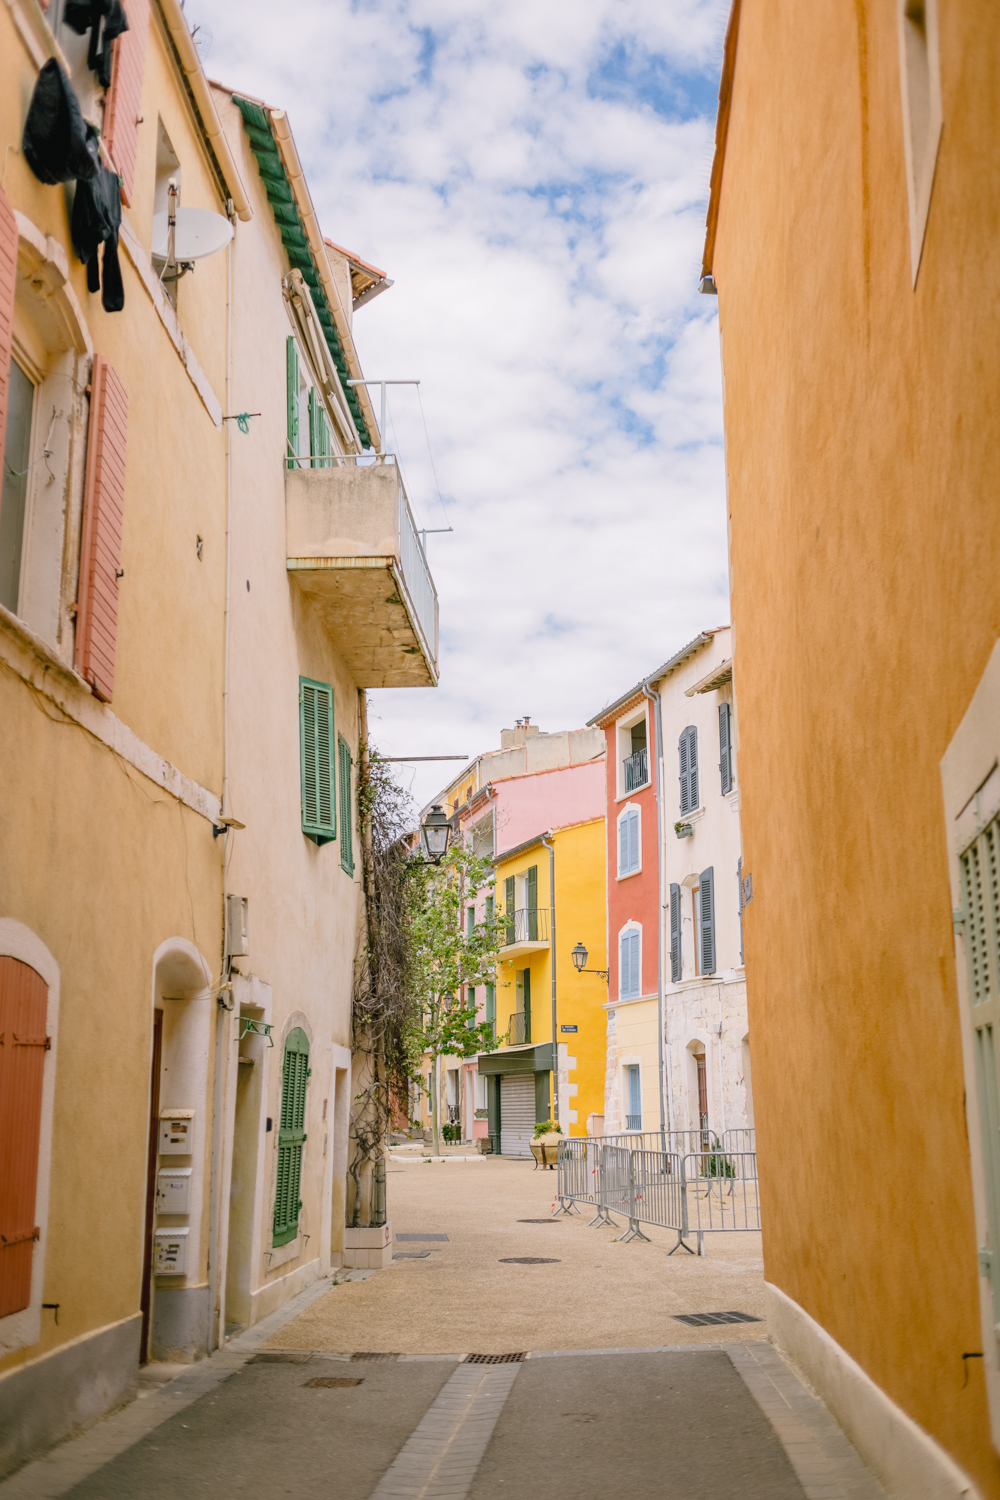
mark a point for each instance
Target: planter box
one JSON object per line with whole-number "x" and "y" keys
{"x": 368, "y": 1249}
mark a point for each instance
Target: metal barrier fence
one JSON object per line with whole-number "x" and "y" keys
{"x": 710, "y": 1190}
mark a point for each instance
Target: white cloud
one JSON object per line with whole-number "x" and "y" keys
{"x": 517, "y": 170}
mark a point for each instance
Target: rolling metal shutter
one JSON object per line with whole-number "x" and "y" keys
{"x": 517, "y": 1113}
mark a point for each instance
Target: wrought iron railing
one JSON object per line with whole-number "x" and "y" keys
{"x": 633, "y": 1122}
{"x": 636, "y": 769}
{"x": 519, "y": 1030}
{"x": 528, "y": 924}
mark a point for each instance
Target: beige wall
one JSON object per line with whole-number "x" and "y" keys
{"x": 862, "y": 426}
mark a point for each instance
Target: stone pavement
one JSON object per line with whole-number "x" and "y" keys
{"x": 646, "y": 1404}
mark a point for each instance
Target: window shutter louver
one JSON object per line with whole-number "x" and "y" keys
{"x": 316, "y": 741}
{"x": 346, "y": 806}
{"x": 634, "y": 968}
{"x": 623, "y": 864}
{"x": 675, "y": 934}
{"x": 633, "y": 841}
{"x": 687, "y": 751}
{"x": 291, "y": 1137}
{"x": 725, "y": 749}
{"x": 23, "y": 1043}
{"x": 624, "y": 980}
{"x": 315, "y": 442}
{"x": 292, "y": 393}
{"x": 508, "y": 892}
{"x": 8, "y": 281}
{"x": 706, "y": 900}
{"x": 124, "y": 100}
{"x": 100, "y": 549}
{"x": 531, "y": 901}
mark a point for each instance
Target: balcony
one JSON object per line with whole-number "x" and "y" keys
{"x": 633, "y": 1122}
{"x": 355, "y": 559}
{"x": 527, "y": 930}
{"x": 636, "y": 769}
{"x": 519, "y": 1030}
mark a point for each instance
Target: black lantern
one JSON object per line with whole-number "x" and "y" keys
{"x": 579, "y": 957}
{"x": 436, "y": 834}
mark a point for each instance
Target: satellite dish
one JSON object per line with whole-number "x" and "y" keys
{"x": 199, "y": 232}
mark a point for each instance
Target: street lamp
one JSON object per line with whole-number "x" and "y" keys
{"x": 435, "y": 834}
{"x": 579, "y": 956}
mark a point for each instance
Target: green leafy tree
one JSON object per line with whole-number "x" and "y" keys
{"x": 447, "y": 956}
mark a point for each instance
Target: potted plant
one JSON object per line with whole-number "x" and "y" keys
{"x": 683, "y": 830}
{"x": 545, "y": 1146}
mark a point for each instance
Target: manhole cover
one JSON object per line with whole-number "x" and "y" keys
{"x": 374, "y": 1356}
{"x": 538, "y": 1221}
{"x": 425, "y": 1237}
{"x": 330, "y": 1382}
{"x": 410, "y": 1254}
{"x": 705, "y": 1320}
{"x": 281, "y": 1357}
{"x": 528, "y": 1260}
{"x": 493, "y": 1359}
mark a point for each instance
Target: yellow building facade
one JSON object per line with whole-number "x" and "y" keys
{"x": 852, "y": 243}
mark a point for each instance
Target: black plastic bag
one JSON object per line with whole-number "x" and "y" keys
{"x": 97, "y": 215}
{"x": 58, "y": 145}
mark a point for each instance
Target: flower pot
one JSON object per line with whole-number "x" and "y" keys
{"x": 545, "y": 1149}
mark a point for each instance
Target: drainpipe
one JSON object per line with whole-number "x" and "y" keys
{"x": 654, "y": 698}
{"x": 547, "y": 841}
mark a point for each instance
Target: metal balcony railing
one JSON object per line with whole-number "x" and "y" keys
{"x": 520, "y": 1028}
{"x": 636, "y": 769}
{"x": 416, "y": 573}
{"x": 528, "y": 924}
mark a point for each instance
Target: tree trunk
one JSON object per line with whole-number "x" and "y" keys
{"x": 436, "y": 1114}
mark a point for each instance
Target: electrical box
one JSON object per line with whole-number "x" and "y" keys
{"x": 170, "y": 1252}
{"x": 173, "y": 1190}
{"x": 237, "y": 927}
{"x": 176, "y": 1132}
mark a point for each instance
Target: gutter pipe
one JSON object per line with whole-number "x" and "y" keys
{"x": 654, "y": 698}
{"x": 547, "y": 841}
{"x": 187, "y": 54}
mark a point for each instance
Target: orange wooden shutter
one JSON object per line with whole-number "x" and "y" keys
{"x": 100, "y": 551}
{"x": 8, "y": 272}
{"x": 124, "y": 102}
{"x": 23, "y": 1043}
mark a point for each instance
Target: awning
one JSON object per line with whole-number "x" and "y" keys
{"x": 518, "y": 1060}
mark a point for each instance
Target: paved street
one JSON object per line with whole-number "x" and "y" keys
{"x": 364, "y": 1390}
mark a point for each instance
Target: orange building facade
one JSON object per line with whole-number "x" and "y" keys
{"x": 852, "y": 241}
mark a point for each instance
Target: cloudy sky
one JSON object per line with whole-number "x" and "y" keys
{"x": 533, "y": 176}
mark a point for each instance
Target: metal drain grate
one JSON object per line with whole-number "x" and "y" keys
{"x": 529, "y": 1260}
{"x": 375, "y": 1356}
{"x": 410, "y": 1254}
{"x": 704, "y": 1320}
{"x": 493, "y": 1359}
{"x": 330, "y": 1382}
{"x": 425, "y": 1237}
{"x": 538, "y": 1221}
{"x": 281, "y": 1357}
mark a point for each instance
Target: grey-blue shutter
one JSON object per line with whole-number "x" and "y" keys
{"x": 623, "y": 865}
{"x": 634, "y": 966}
{"x": 675, "y": 934}
{"x": 633, "y": 840}
{"x": 624, "y": 972}
{"x": 687, "y": 750}
{"x": 706, "y": 915}
{"x": 725, "y": 749}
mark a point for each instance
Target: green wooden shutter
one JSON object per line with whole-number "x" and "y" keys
{"x": 725, "y": 749}
{"x": 526, "y": 976}
{"x": 491, "y": 1005}
{"x": 675, "y": 934}
{"x": 326, "y": 440}
{"x": 315, "y": 442}
{"x": 291, "y": 1137}
{"x": 345, "y": 764}
{"x": 470, "y": 920}
{"x": 292, "y": 372}
{"x": 706, "y": 915}
{"x": 532, "y": 904}
{"x": 508, "y": 894}
{"x": 319, "y": 816}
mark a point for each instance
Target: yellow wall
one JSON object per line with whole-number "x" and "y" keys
{"x": 580, "y": 998}
{"x": 862, "y": 428}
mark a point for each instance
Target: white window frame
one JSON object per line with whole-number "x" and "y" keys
{"x": 627, "y": 1063}
{"x": 623, "y": 736}
{"x": 970, "y": 775}
{"x": 627, "y": 810}
{"x": 630, "y": 926}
